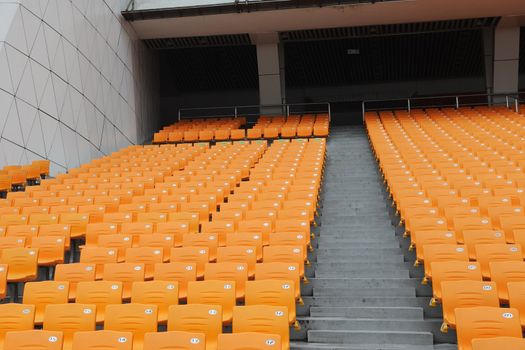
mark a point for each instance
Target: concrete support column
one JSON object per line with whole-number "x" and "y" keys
{"x": 270, "y": 63}
{"x": 502, "y": 51}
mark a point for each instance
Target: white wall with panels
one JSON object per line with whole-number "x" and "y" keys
{"x": 75, "y": 82}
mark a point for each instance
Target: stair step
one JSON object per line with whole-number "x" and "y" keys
{"x": 408, "y": 313}
{"x": 366, "y": 337}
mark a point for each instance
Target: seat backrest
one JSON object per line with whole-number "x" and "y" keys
{"x": 100, "y": 294}
{"x": 175, "y": 339}
{"x": 160, "y": 293}
{"x": 272, "y": 292}
{"x": 485, "y": 322}
{"x": 516, "y": 296}
{"x": 262, "y": 319}
{"x": 107, "y": 340}
{"x": 127, "y": 273}
{"x": 453, "y": 271}
{"x": 228, "y": 271}
{"x": 180, "y": 272}
{"x": 74, "y": 273}
{"x": 279, "y": 271}
{"x": 196, "y": 255}
{"x": 44, "y": 293}
{"x": 70, "y": 318}
{"x": 136, "y": 318}
{"x": 214, "y": 293}
{"x": 197, "y": 318}
{"x": 34, "y": 339}
{"x": 486, "y": 253}
{"x": 473, "y": 237}
{"x": 507, "y": 343}
{"x": 503, "y": 272}
{"x": 286, "y": 254}
{"x": 15, "y": 317}
{"x": 251, "y": 340}
{"x": 457, "y": 294}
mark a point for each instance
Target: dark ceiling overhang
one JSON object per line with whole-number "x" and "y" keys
{"x": 327, "y": 33}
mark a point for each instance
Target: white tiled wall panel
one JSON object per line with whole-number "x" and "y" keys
{"x": 75, "y": 82}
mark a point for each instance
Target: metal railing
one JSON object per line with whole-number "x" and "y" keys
{"x": 286, "y": 109}
{"x": 455, "y": 101}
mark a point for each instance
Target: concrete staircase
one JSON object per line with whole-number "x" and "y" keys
{"x": 364, "y": 295}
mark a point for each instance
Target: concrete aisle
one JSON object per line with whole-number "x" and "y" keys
{"x": 363, "y": 293}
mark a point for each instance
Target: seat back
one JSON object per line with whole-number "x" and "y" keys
{"x": 214, "y": 293}
{"x": 175, "y": 340}
{"x": 100, "y": 294}
{"x": 485, "y": 322}
{"x": 251, "y": 340}
{"x": 107, "y": 340}
{"x": 272, "y": 292}
{"x": 136, "y": 318}
{"x": 262, "y": 319}
{"x": 34, "y": 339}
{"x": 197, "y": 318}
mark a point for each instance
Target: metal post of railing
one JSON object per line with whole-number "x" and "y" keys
{"x": 235, "y": 111}
{"x": 457, "y": 102}
{"x": 408, "y": 105}
{"x": 507, "y": 101}
{"x": 363, "y": 109}
{"x": 516, "y": 105}
{"x": 329, "y": 112}
{"x": 179, "y": 115}
{"x": 287, "y": 111}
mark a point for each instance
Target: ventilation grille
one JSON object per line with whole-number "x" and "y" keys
{"x": 198, "y": 41}
{"x": 388, "y": 29}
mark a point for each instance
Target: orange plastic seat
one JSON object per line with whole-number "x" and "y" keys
{"x": 461, "y": 294}
{"x": 33, "y": 339}
{"x": 179, "y": 272}
{"x": 264, "y": 319}
{"x": 272, "y": 292}
{"x": 98, "y": 256}
{"x": 252, "y": 134}
{"x": 507, "y": 343}
{"x": 251, "y": 340}
{"x": 228, "y": 271}
{"x": 119, "y": 242}
{"x": 149, "y": 256}
{"x": 196, "y": 255}
{"x": 22, "y": 264}
{"x": 93, "y": 231}
{"x": 504, "y": 272}
{"x": 516, "y": 292}
{"x": 488, "y": 253}
{"x": 452, "y": 271}
{"x": 198, "y": 318}
{"x": 208, "y": 240}
{"x": 69, "y": 319}
{"x": 485, "y": 322}
{"x": 50, "y": 250}
{"x": 100, "y": 294}
{"x": 78, "y": 223}
{"x": 237, "y": 134}
{"x": 74, "y": 273}
{"x": 285, "y": 254}
{"x": 175, "y": 340}
{"x": 214, "y": 293}
{"x": 107, "y": 340}
{"x": 15, "y": 317}
{"x": 239, "y": 254}
{"x": 136, "y": 318}
{"x": 44, "y": 293}
{"x": 280, "y": 271}
{"x": 163, "y": 294}
{"x": 158, "y": 240}
{"x": 127, "y": 273}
